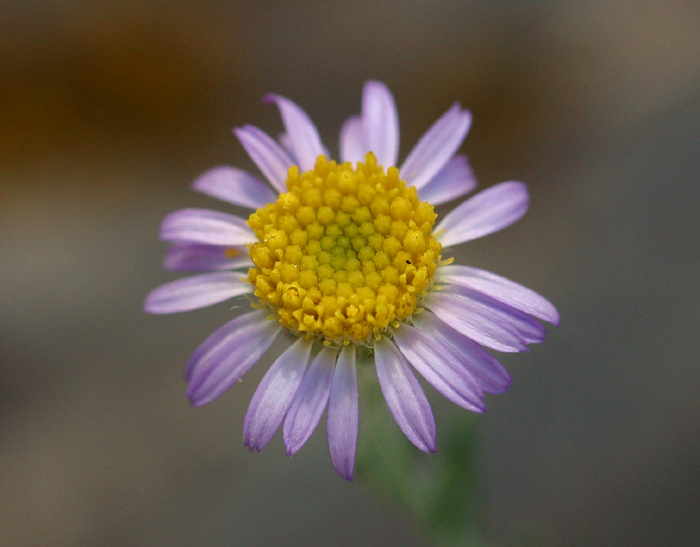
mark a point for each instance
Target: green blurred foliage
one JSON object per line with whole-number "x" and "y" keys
{"x": 442, "y": 492}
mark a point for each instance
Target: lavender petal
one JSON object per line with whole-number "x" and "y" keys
{"x": 380, "y": 123}
{"x": 404, "y": 395}
{"x": 487, "y": 212}
{"x": 528, "y": 328}
{"x": 286, "y": 143}
{"x": 274, "y": 395}
{"x": 198, "y": 257}
{"x": 501, "y": 289}
{"x": 343, "y": 414}
{"x": 491, "y": 376}
{"x": 269, "y": 156}
{"x": 436, "y": 147}
{"x": 196, "y": 292}
{"x": 454, "y": 180}
{"x": 435, "y": 361}
{"x": 228, "y": 354}
{"x": 301, "y": 131}
{"x": 207, "y": 227}
{"x": 474, "y": 321}
{"x": 310, "y": 401}
{"x": 235, "y": 186}
{"x": 351, "y": 144}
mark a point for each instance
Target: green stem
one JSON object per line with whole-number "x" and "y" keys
{"x": 442, "y": 491}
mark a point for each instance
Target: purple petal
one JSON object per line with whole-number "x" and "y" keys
{"x": 528, "y": 328}
{"x": 286, "y": 143}
{"x": 485, "y": 213}
{"x": 380, "y": 123}
{"x": 453, "y": 181}
{"x": 207, "y": 227}
{"x": 404, "y": 395}
{"x": 228, "y": 354}
{"x": 269, "y": 156}
{"x": 435, "y": 361}
{"x": 196, "y": 292}
{"x": 501, "y": 289}
{"x": 198, "y": 257}
{"x": 474, "y": 321}
{"x": 310, "y": 400}
{"x": 302, "y": 132}
{"x": 275, "y": 394}
{"x": 491, "y": 376}
{"x": 235, "y": 186}
{"x": 351, "y": 146}
{"x": 436, "y": 147}
{"x": 343, "y": 414}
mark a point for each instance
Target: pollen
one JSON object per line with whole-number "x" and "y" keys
{"x": 345, "y": 253}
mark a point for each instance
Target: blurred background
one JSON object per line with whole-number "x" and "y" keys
{"x": 109, "y": 109}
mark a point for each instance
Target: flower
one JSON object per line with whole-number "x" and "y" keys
{"x": 346, "y": 259}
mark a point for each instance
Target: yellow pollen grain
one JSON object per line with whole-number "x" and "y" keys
{"x": 231, "y": 252}
{"x": 345, "y": 253}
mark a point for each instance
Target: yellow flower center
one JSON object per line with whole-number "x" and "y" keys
{"x": 345, "y": 252}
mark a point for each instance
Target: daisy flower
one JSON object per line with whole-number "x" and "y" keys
{"x": 346, "y": 262}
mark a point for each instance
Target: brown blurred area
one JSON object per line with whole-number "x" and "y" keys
{"x": 108, "y": 110}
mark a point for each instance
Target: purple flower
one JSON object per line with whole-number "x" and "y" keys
{"x": 347, "y": 259}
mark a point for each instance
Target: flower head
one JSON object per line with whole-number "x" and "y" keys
{"x": 348, "y": 261}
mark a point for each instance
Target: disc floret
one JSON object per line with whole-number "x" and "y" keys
{"x": 345, "y": 253}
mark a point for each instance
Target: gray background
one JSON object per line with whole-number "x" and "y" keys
{"x": 109, "y": 110}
